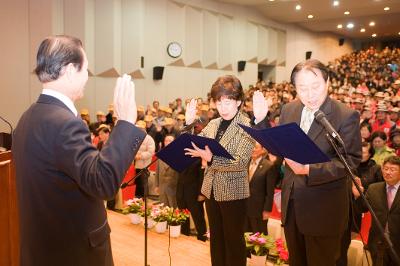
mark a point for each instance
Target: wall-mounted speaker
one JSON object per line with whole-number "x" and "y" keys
{"x": 308, "y": 55}
{"x": 142, "y": 61}
{"x": 158, "y": 72}
{"x": 241, "y": 65}
{"x": 341, "y": 41}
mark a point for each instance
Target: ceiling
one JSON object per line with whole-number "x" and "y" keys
{"x": 326, "y": 16}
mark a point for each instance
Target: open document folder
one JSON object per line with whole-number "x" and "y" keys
{"x": 174, "y": 153}
{"x": 288, "y": 141}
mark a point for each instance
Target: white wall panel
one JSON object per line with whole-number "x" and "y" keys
{"x": 210, "y": 38}
{"x": 225, "y": 42}
{"x": 273, "y": 45}
{"x": 193, "y": 31}
{"x": 176, "y": 27}
{"x": 252, "y": 41}
{"x": 263, "y": 44}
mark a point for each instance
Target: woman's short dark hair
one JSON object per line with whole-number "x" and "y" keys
{"x": 310, "y": 65}
{"x": 56, "y": 52}
{"x": 228, "y": 86}
{"x": 378, "y": 134}
{"x": 367, "y": 125}
{"x": 371, "y": 150}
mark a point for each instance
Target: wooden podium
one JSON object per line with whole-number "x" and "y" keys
{"x": 9, "y": 233}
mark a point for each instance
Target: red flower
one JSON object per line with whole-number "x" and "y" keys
{"x": 284, "y": 254}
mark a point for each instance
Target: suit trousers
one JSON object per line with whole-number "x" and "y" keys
{"x": 139, "y": 190}
{"x": 226, "y": 219}
{"x": 308, "y": 250}
{"x": 256, "y": 224}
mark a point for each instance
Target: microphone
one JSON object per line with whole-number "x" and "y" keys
{"x": 191, "y": 125}
{"x": 321, "y": 118}
{"x": 6, "y": 138}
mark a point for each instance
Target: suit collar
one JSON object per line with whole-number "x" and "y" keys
{"x": 47, "y": 99}
{"x": 316, "y": 128}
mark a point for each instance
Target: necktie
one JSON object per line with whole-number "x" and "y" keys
{"x": 252, "y": 170}
{"x": 306, "y": 119}
{"x": 390, "y": 196}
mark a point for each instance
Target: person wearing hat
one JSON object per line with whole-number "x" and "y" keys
{"x": 143, "y": 158}
{"x": 382, "y": 122}
{"x": 109, "y": 116}
{"x": 166, "y": 129}
{"x": 100, "y": 119}
{"x": 394, "y": 116}
{"x": 167, "y": 179}
{"x": 180, "y": 122}
{"x": 85, "y": 116}
{"x": 141, "y": 112}
{"x": 150, "y": 127}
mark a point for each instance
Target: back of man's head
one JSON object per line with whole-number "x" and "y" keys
{"x": 56, "y": 52}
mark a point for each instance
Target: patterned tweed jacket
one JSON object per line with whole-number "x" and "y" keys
{"x": 228, "y": 178}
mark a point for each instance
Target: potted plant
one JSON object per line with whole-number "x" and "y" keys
{"x": 279, "y": 253}
{"x": 159, "y": 214}
{"x": 259, "y": 245}
{"x": 175, "y": 218}
{"x": 133, "y": 209}
{"x": 142, "y": 213}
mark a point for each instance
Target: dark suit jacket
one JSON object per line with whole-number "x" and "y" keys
{"x": 189, "y": 185}
{"x": 377, "y": 198}
{"x": 262, "y": 186}
{"x": 62, "y": 182}
{"x": 321, "y": 199}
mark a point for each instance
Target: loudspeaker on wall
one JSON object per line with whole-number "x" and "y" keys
{"x": 308, "y": 55}
{"x": 241, "y": 65}
{"x": 341, "y": 41}
{"x": 158, "y": 72}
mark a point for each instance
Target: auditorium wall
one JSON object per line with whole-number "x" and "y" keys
{"x": 117, "y": 33}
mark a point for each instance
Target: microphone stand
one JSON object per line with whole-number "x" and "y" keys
{"x": 145, "y": 173}
{"x": 341, "y": 152}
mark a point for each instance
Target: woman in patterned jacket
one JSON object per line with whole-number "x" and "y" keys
{"x": 225, "y": 184}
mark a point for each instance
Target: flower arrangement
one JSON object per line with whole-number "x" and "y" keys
{"x": 258, "y": 243}
{"x": 134, "y": 205}
{"x": 280, "y": 252}
{"x": 177, "y": 216}
{"x": 159, "y": 213}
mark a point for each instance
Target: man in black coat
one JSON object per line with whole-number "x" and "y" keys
{"x": 62, "y": 179}
{"x": 315, "y": 197}
{"x": 384, "y": 198}
{"x": 188, "y": 196}
{"x": 262, "y": 179}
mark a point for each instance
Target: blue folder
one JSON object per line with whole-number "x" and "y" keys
{"x": 174, "y": 153}
{"x": 288, "y": 141}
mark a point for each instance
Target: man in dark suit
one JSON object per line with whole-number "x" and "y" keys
{"x": 262, "y": 179}
{"x": 62, "y": 180}
{"x": 315, "y": 197}
{"x": 188, "y": 196}
{"x": 385, "y": 201}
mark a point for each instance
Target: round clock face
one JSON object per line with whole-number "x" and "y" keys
{"x": 174, "y": 49}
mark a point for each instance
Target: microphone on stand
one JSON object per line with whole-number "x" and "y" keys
{"x": 321, "y": 118}
{"x": 191, "y": 125}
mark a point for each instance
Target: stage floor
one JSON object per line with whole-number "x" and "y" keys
{"x": 127, "y": 242}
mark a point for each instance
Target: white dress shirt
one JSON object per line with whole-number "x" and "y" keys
{"x": 64, "y": 99}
